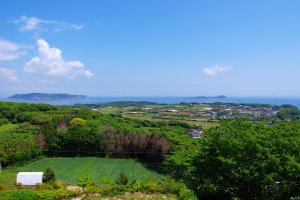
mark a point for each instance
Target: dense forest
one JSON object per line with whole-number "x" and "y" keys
{"x": 238, "y": 159}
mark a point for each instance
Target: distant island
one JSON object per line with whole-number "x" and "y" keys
{"x": 208, "y": 97}
{"x": 44, "y": 96}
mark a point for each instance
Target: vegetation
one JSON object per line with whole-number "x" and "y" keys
{"x": 122, "y": 179}
{"x": 109, "y": 154}
{"x": 289, "y": 112}
{"x": 37, "y": 194}
{"x": 70, "y": 170}
{"x": 49, "y": 175}
{"x": 17, "y": 144}
{"x": 248, "y": 161}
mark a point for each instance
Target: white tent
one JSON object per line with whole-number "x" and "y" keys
{"x": 30, "y": 178}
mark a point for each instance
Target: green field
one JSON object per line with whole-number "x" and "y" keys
{"x": 8, "y": 177}
{"x": 71, "y": 169}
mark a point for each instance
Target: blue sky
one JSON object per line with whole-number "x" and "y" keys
{"x": 150, "y": 48}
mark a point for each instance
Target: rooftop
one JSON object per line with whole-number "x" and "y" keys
{"x": 30, "y": 173}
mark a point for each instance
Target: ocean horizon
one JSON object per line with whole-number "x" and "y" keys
{"x": 295, "y": 101}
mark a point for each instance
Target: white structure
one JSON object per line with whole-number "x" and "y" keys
{"x": 30, "y": 178}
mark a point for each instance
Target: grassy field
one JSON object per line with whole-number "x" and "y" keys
{"x": 71, "y": 169}
{"x": 8, "y": 177}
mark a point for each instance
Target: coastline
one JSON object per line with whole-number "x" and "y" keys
{"x": 167, "y": 100}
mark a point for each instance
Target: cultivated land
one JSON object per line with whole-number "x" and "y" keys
{"x": 206, "y": 115}
{"x": 71, "y": 169}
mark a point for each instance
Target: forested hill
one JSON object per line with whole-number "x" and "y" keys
{"x": 44, "y": 96}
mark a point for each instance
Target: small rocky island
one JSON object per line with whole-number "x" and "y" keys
{"x": 210, "y": 97}
{"x": 44, "y": 96}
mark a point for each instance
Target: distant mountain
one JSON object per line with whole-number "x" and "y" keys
{"x": 44, "y": 96}
{"x": 212, "y": 97}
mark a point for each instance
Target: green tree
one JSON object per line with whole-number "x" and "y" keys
{"x": 249, "y": 161}
{"x": 77, "y": 122}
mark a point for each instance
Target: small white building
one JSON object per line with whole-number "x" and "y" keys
{"x": 30, "y": 178}
{"x": 172, "y": 110}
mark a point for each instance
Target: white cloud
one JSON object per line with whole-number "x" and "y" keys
{"x": 37, "y": 24}
{"x": 216, "y": 69}
{"x": 29, "y": 23}
{"x": 8, "y": 75}
{"x": 10, "y": 50}
{"x": 50, "y": 62}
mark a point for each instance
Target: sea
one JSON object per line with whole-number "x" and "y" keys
{"x": 168, "y": 100}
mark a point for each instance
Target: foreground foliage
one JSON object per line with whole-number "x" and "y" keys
{"x": 38, "y": 194}
{"x": 166, "y": 188}
{"x": 249, "y": 161}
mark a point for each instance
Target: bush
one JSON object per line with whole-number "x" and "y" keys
{"x": 86, "y": 181}
{"x": 122, "y": 179}
{"x": 42, "y": 194}
{"x": 49, "y": 175}
{"x": 19, "y": 185}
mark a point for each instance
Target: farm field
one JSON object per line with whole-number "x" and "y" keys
{"x": 71, "y": 169}
{"x": 162, "y": 112}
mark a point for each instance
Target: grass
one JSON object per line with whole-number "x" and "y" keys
{"x": 109, "y": 110}
{"x": 71, "y": 169}
{"x": 205, "y": 125}
{"x": 8, "y": 177}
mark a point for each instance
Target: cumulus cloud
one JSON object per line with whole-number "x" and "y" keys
{"x": 10, "y": 50}
{"x": 8, "y": 75}
{"x": 37, "y": 24}
{"x": 216, "y": 69}
{"x": 50, "y": 62}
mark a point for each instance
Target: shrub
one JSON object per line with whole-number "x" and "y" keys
{"x": 86, "y": 181}
{"x": 19, "y": 185}
{"x": 122, "y": 179}
{"x": 49, "y": 175}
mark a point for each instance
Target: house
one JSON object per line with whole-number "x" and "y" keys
{"x": 30, "y": 178}
{"x": 195, "y": 133}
